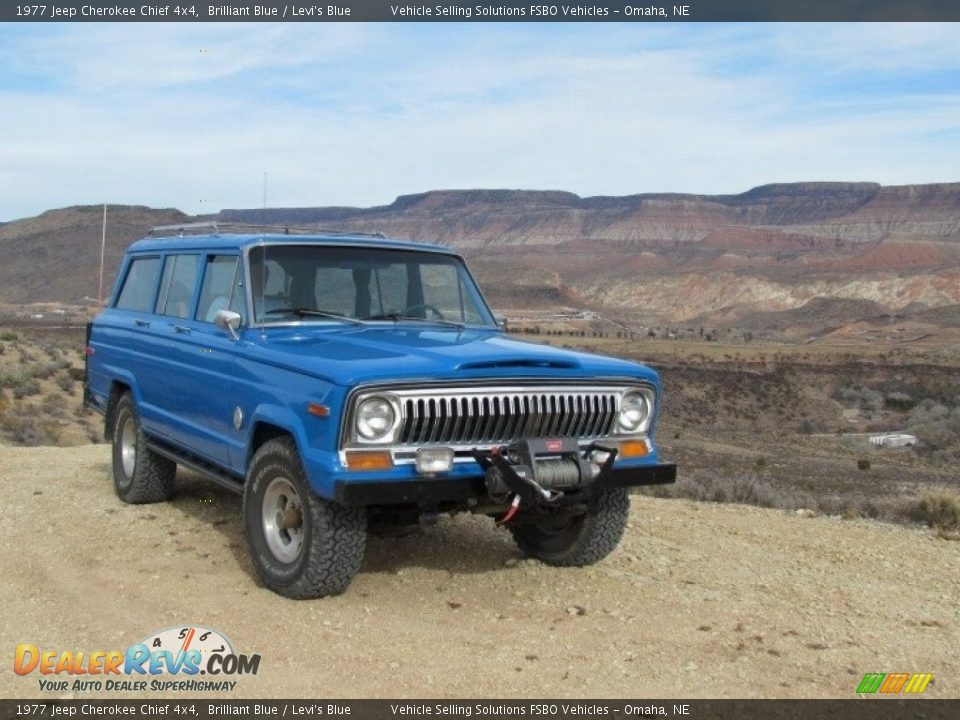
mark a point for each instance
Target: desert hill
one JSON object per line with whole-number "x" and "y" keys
{"x": 668, "y": 257}
{"x": 674, "y": 257}
{"x": 55, "y": 256}
{"x": 840, "y": 212}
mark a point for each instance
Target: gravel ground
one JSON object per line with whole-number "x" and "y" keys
{"x": 699, "y": 600}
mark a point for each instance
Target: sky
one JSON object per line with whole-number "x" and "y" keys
{"x": 197, "y": 116}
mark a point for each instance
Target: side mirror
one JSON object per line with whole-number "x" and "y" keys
{"x": 229, "y": 321}
{"x": 501, "y": 321}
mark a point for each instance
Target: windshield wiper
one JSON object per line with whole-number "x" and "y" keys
{"x": 396, "y": 317}
{"x": 309, "y": 312}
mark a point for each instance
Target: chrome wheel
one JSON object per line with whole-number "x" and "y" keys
{"x": 283, "y": 519}
{"x": 128, "y": 447}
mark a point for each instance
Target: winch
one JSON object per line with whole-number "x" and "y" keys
{"x": 542, "y": 471}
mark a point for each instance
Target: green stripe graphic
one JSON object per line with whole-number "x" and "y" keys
{"x": 871, "y": 682}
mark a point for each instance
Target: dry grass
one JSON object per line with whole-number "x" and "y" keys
{"x": 740, "y": 489}
{"x": 939, "y": 509}
{"x": 40, "y": 392}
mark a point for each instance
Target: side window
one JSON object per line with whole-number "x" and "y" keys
{"x": 176, "y": 286}
{"x": 138, "y": 286}
{"x": 220, "y": 290}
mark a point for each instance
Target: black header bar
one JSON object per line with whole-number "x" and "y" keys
{"x": 208, "y": 709}
{"x": 473, "y": 11}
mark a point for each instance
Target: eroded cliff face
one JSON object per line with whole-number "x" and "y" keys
{"x": 476, "y": 218}
{"x": 674, "y": 256}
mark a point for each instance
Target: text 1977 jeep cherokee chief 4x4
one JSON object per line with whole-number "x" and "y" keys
{"x": 334, "y": 379}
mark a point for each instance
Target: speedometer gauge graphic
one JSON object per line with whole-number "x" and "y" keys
{"x": 181, "y": 639}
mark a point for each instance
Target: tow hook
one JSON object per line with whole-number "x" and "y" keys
{"x": 511, "y": 511}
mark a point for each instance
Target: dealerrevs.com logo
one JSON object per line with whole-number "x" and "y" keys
{"x": 187, "y": 658}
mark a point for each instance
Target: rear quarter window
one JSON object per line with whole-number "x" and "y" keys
{"x": 139, "y": 285}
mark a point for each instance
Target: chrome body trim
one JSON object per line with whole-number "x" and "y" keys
{"x": 470, "y": 416}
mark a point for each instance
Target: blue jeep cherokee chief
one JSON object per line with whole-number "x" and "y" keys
{"x": 339, "y": 380}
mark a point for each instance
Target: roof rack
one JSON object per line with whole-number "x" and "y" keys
{"x": 184, "y": 228}
{"x": 216, "y": 227}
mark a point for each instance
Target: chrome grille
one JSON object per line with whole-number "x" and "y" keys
{"x": 478, "y": 418}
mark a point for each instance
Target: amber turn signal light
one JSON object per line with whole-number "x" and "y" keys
{"x": 633, "y": 448}
{"x": 318, "y": 410}
{"x": 369, "y": 460}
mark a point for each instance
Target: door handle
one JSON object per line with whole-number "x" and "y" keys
{"x": 141, "y": 323}
{"x": 181, "y": 329}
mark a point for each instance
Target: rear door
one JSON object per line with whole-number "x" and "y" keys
{"x": 131, "y": 344}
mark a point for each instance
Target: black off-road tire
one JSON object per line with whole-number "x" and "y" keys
{"x": 139, "y": 475}
{"x": 582, "y": 540}
{"x": 334, "y": 537}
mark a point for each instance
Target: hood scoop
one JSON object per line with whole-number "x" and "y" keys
{"x": 533, "y": 363}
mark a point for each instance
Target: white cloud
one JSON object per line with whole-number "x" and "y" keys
{"x": 355, "y": 115}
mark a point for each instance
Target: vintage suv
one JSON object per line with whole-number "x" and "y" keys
{"x": 334, "y": 380}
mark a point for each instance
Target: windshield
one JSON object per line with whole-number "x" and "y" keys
{"x": 349, "y": 284}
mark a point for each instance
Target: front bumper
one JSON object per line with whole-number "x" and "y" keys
{"x": 428, "y": 492}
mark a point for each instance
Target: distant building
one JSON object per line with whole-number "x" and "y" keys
{"x": 892, "y": 440}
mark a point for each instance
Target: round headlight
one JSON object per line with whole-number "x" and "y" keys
{"x": 634, "y": 411}
{"x": 375, "y": 418}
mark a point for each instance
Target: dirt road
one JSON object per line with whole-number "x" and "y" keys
{"x": 699, "y": 600}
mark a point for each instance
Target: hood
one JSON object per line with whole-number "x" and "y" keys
{"x": 351, "y": 356}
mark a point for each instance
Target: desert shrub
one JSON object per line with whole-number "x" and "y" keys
{"x": 46, "y": 371}
{"x": 13, "y": 378}
{"x": 940, "y": 510}
{"x": 65, "y": 382}
{"x": 863, "y": 464}
{"x": 935, "y": 424}
{"x": 740, "y": 489}
{"x": 29, "y": 430}
{"x": 9, "y": 335}
{"x": 53, "y": 404}
{"x": 26, "y": 389}
{"x": 899, "y": 401}
{"x": 874, "y": 509}
{"x": 836, "y": 505}
{"x": 927, "y": 411}
{"x": 865, "y": 397}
